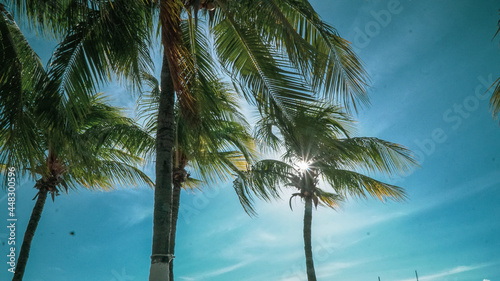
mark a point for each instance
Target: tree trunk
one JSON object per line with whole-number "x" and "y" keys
{"x": 311, "y": 274}
{"x": 176, "y": 200}
{"x": 28, "y": 236}
{"x": 161, "y": 257}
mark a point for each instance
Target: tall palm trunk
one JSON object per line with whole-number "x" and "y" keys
{"x": 311, "y": 274}
{"x": 176, "y": 200}
{"x": 160, "y": 257}
{"x": 29, "y": 234}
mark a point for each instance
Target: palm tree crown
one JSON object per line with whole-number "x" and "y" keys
{"x": 321, "y": 139}
{"x": 317, "y": 147}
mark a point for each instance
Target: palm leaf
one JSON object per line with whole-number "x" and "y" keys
{"x": 330, "y": 200}
{"x": 105, "y": 175}
{"x": 373, "y": 154}
{"x": 266, "y": 78}
{"x": 336, "y": 68}
{"x": 20, "y": 69}
{"x": 495, "y": 99}
{"x": 89, "y": 54}
{"x": 351, "y": 183}
{"x": 263, "y": 180}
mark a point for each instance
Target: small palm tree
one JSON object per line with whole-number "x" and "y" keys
{"x": 317, "y": 147}
{"x": 59, "y": 138}
{"x": 213, "y": 146}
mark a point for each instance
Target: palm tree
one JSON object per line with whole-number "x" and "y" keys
{"x": 59, "y": 142}
{"x": 94, "y": 156}
{"x": 273, "y": 64}
{"x": 317, "y": 147}
{"x": 214, "y": 146}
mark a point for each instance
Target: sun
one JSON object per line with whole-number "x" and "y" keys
{"x": 303, "y": 165}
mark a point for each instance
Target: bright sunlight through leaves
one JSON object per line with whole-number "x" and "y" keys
{"x": 303, "y": 166}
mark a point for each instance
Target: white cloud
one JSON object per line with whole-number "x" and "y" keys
{"x": 256, "y": 241}
{"x": 136, "y": 214}
{"x": 448, "y": 272}
{"x": 282, "y": 233}
{"x": 326, "y": 271}
{"x": 229, "y": 224}
{"x": 209, "y": 274}
{"x": 278, "y": 230}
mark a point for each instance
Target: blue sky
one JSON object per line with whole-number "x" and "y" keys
{"x": 430, "y": 63}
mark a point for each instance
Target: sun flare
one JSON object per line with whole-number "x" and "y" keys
{"x": 303, "y": 166}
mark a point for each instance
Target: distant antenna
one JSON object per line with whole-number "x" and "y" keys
{"x": 416, "y": 274}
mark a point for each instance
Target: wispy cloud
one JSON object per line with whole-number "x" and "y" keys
{"x": 283, "y": 232}
{"x": 323, "y": 271}
{"x": 217, "y": 272}
{"x": 467, "y": 189}
{"x": 137, "y": 214}
{"x": 231, "y": 224}
{"x": 254, "y": 242}
{"x": 448, "y": 272}
{"x": 332, "y": 269}
{"x": 332, "y": 232}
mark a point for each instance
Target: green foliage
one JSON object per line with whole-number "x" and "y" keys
{"x": 320, "y": 137}
{"x": 49, "y": 130}
{"x": 216, "y": 143}
{"x": 277, "y": 52}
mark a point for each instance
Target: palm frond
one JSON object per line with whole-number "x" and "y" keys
{"x": 291, "y": 198}
{"x": 218, "y": 166}
{"x": 330, "y": 200}
{"x": 192, "y": 184}
{"x": 495, "y": 100}
{"x": 264, "y": 180}
{"x": 50, "y": 18}
{"x": 106, "y": 175}
{"x": 20, "y": 70}
{"x": 373, "y": 154}
{"x": 267, "y": 79}
{"x": 109, "y": 40}
{"x": 346, "y": 182}
{"x": 266, "y": 133}
{"x": 336, "y": 68}
{"x": 147, "y": 104}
